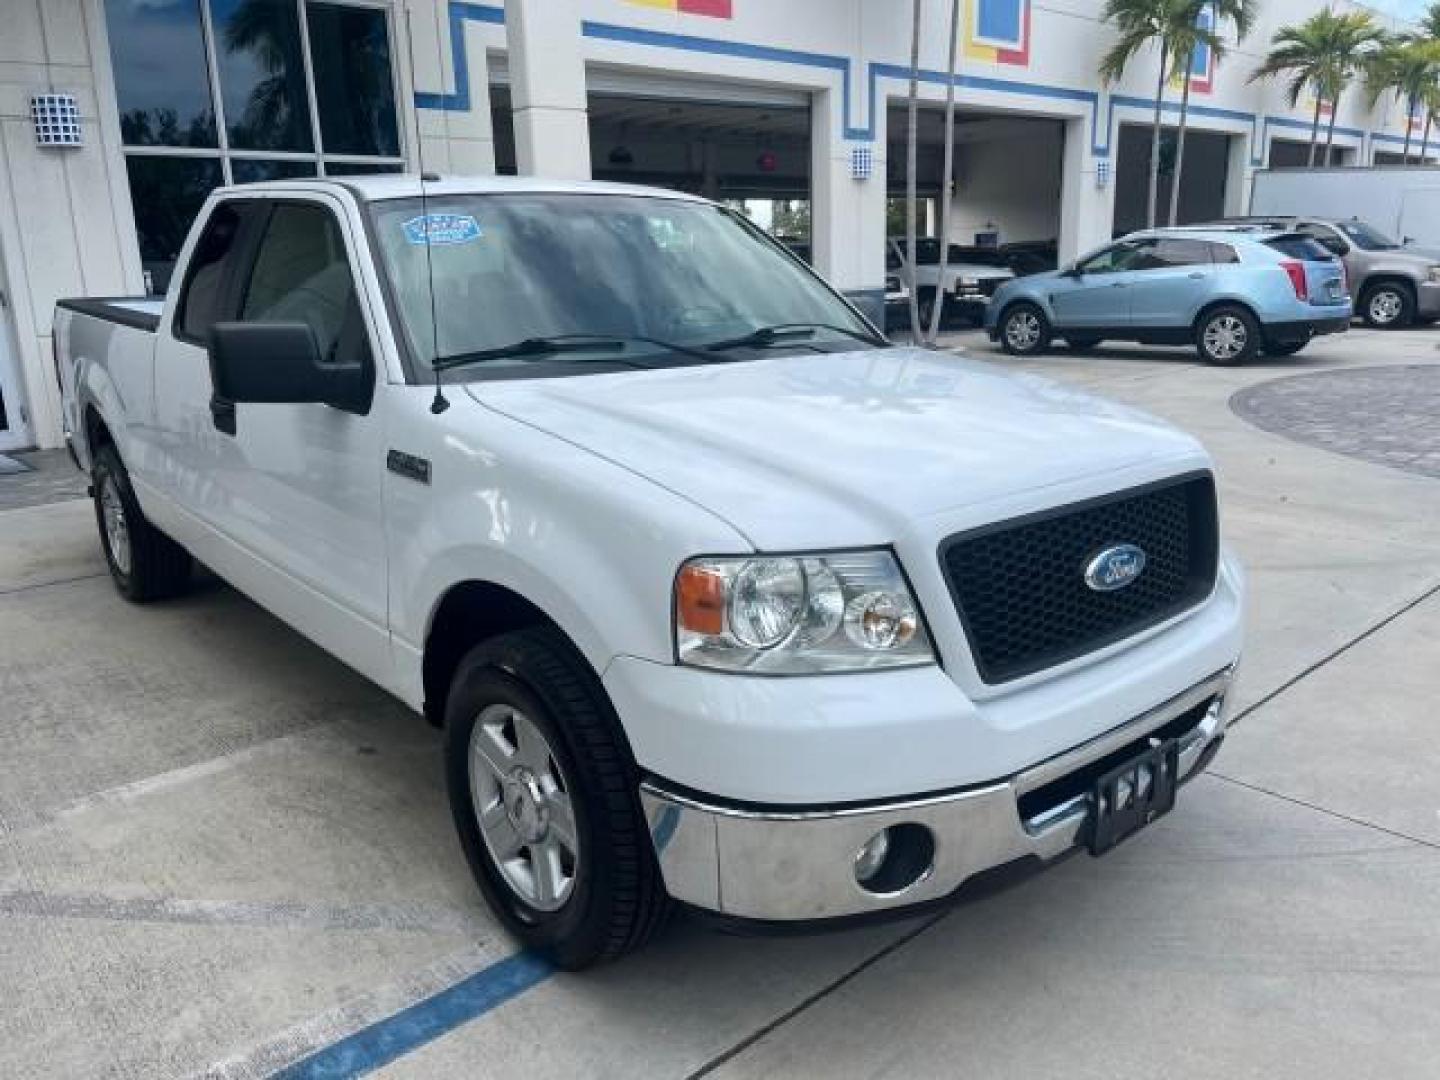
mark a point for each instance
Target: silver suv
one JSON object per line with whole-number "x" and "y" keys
{"x": 1394, "y": 284}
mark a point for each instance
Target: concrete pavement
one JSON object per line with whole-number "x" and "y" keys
{"x": 222, "y": 851}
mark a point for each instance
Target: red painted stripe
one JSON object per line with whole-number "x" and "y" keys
{"x": 716, "y": 9}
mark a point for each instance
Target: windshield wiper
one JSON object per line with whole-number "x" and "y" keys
{"x": 565, "y": 343}
{"x": 762, "y": 336}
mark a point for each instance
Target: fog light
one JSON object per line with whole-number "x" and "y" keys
{"x": 871, "y": 856}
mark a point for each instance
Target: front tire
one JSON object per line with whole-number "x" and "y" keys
{"x": 1024, "y": 330}
{"x": 144, "y": 563}
{"x": 1227, "y": 336}
{"x": 544, "y": 793}
{"x": 1387, "y": 306}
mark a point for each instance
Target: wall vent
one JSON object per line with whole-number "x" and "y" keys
{"x": 57, "y": 120}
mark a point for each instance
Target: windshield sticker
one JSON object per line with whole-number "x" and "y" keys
{"x": 442, "y": 229}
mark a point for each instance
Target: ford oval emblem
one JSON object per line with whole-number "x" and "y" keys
{"x": 1114, "y": 568}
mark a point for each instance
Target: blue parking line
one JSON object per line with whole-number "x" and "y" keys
{"x": 425, "y": 1021}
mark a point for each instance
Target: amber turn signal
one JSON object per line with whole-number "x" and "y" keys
{"x": 700, "y": 600}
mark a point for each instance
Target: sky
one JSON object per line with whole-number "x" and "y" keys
{"x": 1405, "y": 9}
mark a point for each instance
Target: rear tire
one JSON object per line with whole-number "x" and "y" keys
{"x": 1024, "y": 330}
{"x": 1387, "y": 305}
{"x": 1227, "y": 335}
{"x": 144, "y": 563}
{"x": 567, "y": 775}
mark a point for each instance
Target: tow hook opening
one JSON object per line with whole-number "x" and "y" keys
{"x": 894, "y": 859}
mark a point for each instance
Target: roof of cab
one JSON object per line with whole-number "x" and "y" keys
{"x": 410, "y": 186}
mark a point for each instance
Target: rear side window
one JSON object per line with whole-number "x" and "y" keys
{"x": 206, "y": 297}
{"x": 1300, "y": 247}
{"x": 302, "y": 274}
{"x": 1174, "y": 252}
{"x": 1223, "y": 254}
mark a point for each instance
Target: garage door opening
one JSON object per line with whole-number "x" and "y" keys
{"x": 1295, "y": 153}
{"x": 1202, "y": 180}
{"x": 753, "y": 155}
{"x": 1006, "y": 188}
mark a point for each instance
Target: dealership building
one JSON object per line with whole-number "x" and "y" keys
{"x": 117, "y": 117}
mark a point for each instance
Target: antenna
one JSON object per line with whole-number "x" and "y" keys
{"x": 438, "y": 404}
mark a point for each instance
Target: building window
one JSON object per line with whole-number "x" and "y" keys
{"x": 217, "y": 92}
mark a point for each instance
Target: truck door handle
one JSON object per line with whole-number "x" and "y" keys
{"x": 1197, "y": 275}
{"x": 222, "y": 412}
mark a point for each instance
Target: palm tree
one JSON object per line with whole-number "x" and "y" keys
{"x": 1141, "y": 23}
{"x": 1408, "y": 66}
{"x": 1322, "y": 54}
{"x": 912, "y": 141}
{"x": 1188, "y": 37}
{"x": 933, "y": 331}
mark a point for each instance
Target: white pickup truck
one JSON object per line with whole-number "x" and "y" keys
{"x": 718, "y": 597}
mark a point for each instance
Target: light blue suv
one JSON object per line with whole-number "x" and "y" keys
{"x": 1231, "y": 293}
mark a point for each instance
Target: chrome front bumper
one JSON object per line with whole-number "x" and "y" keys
{"x": 778, "y": 865}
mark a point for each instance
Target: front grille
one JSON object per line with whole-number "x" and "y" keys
{"x": 1020, "y": 590}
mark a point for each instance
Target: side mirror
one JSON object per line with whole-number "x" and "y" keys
{"x": 1073, "y": 271}
{"x": 280, "y": 363}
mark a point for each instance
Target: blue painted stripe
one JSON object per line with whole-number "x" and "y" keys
{"x": 744, "y": 51}
{"x": 460, "y": 101}
{"x": 999, "y": 86}
{"x": 425, "y": 1021}
{"x": 459, "y": 12}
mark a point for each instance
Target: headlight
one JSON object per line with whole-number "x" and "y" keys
{"x": 1434, "y": 273}
{"x": 969, "y": 283}
{"x": 798, "y": 614}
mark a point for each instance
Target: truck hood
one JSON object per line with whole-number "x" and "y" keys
{"x": 837, "y": 448}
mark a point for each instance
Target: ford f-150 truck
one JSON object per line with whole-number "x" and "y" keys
{"x": 718, "y": 597}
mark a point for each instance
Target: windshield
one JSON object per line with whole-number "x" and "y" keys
{"x": 1366, "y": 237}
{"x": 649, "y": 272}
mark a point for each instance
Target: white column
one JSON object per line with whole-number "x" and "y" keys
{"x": 547, "y": 88}
{"x": 1087, "y": 193}
{"x": 1238, "y": 176}
{"x": 847, "y": 216}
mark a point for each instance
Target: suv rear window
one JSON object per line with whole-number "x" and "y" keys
{"x": 1300, "y": 247}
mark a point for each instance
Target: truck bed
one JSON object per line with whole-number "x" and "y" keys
{"x": 139, "y": 312}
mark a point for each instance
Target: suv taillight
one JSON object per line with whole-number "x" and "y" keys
{"x": 1297, "y": 278}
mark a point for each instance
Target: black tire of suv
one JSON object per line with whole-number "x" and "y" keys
{"x": 1404, "y": 305}
{"x": 1251, "y": 344}
{"x": 1285, "y": 348}
{"x": 618, "y": 900}
{"x": 1019, "y": 310}
{"x": 159, "y": 567}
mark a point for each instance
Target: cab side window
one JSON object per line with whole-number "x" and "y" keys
{"x": 206, "y": 297}
{"x": 302, "y": 274}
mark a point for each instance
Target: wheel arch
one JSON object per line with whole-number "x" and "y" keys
{"x": 468, "y": 613}
{"x": 1385, "y": 277}
{"x": 1223, "y": 302}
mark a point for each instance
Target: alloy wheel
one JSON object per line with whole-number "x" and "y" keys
{"x": 1385, "y": 307}
{"x": 522, "y": 803}
{"x": 1226, "y": 337}
{"x": 117, "y": 529}
{"x": 1022, "y": 331}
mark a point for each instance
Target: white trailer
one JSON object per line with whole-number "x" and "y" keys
{"x": 1403, "y": 201}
